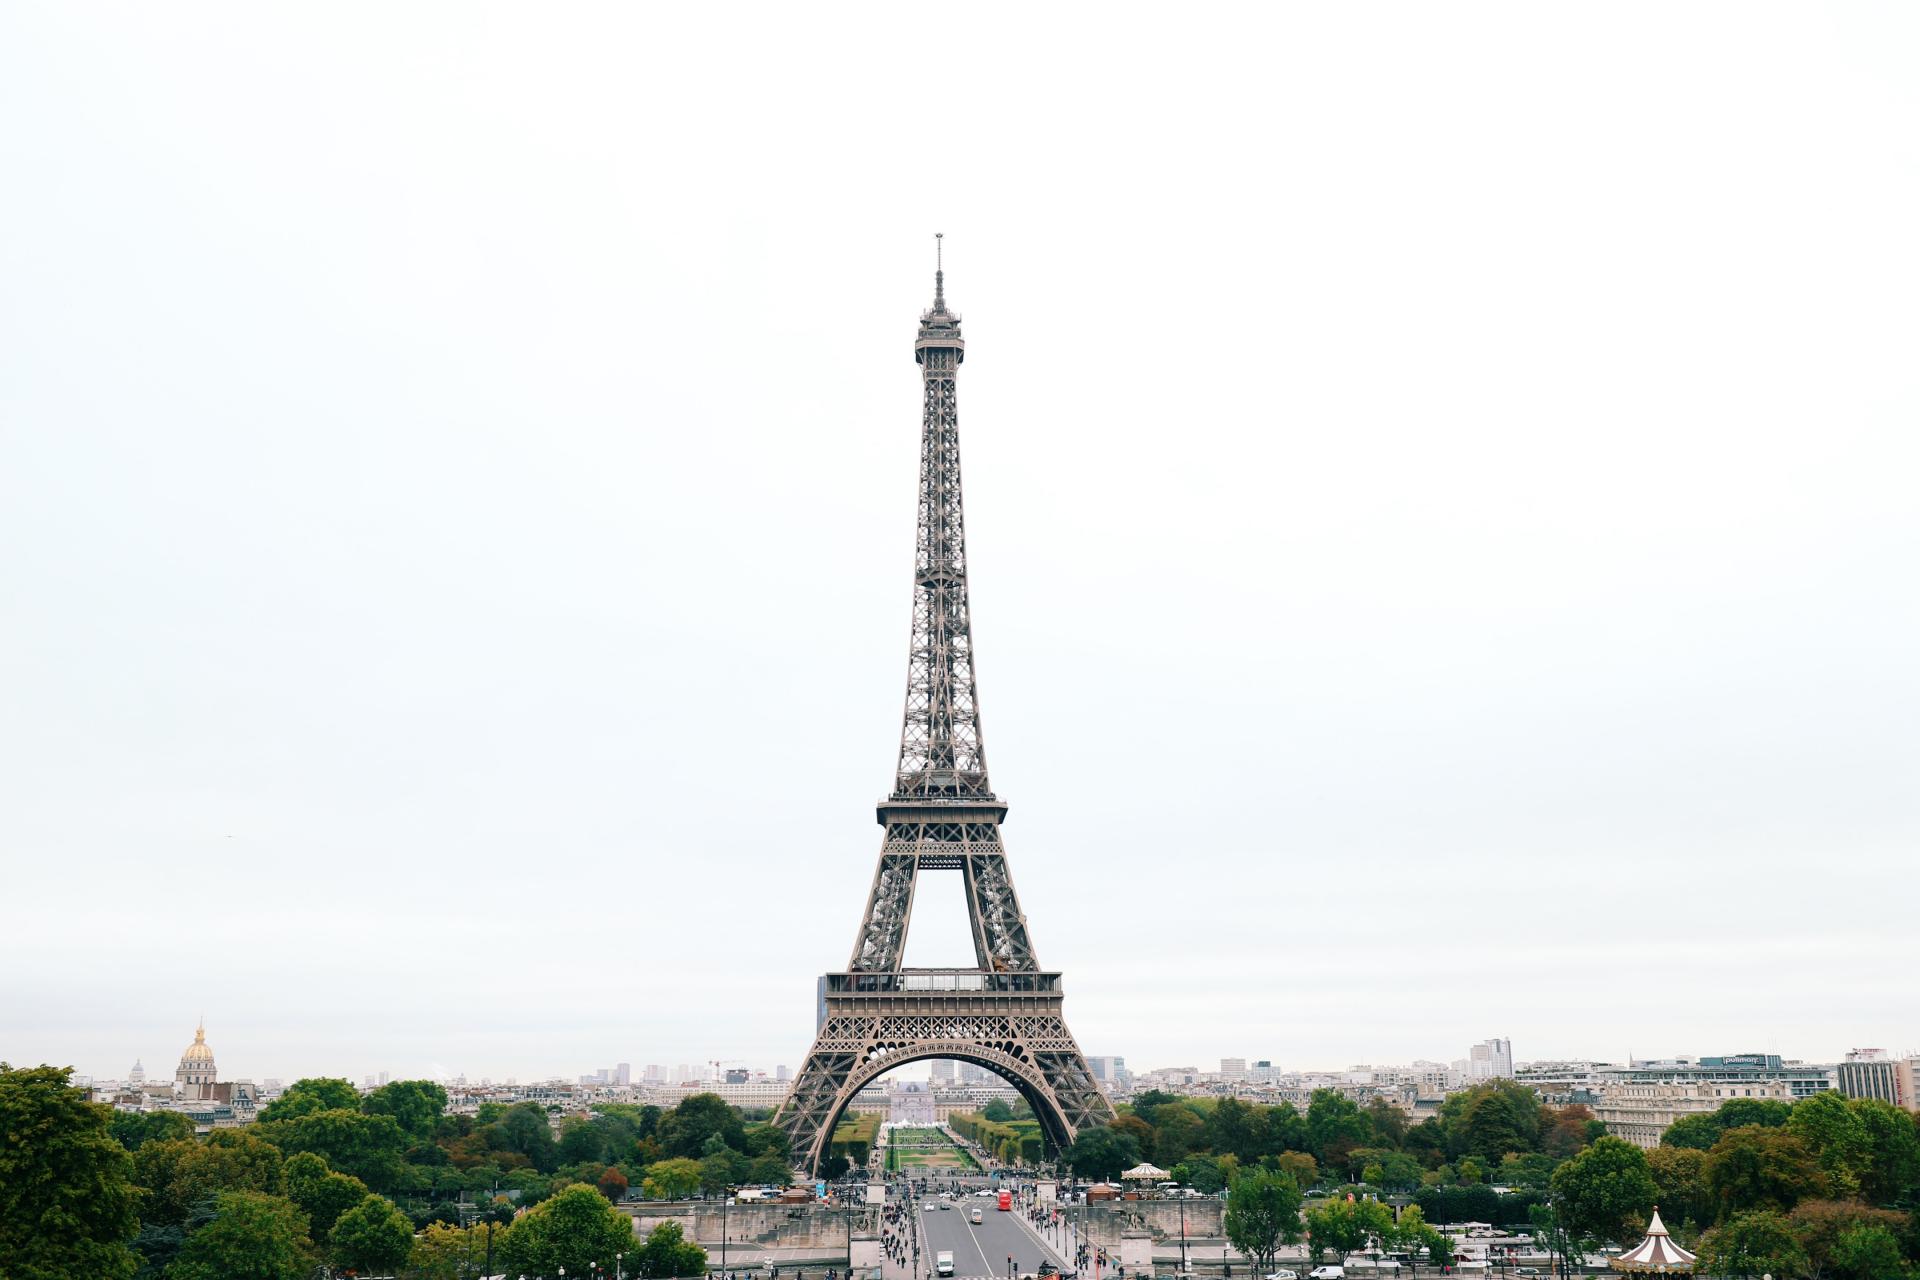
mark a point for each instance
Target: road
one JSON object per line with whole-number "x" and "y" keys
{"x": 980, "y": 1250}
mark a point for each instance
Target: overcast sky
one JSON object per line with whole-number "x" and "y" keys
{"x": 1441, "y": 486}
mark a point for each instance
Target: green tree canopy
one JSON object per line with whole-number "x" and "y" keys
{"x": 684, "y": 1130}
{"x": 252, "y": 1236}
{"x": 176, "y": 1174}
{"x": 415, "y": 1105}
{"x": 1100, "y": 1153}
{"x": 576, "y": 1229}
{"x": 367, "y": 1147}
{"x": 667, "y": 1253}
{"x": 1757, "y": 1243}
{"x": 1754, "y": 1167}
{"x": 372, "y": 1237}
{"x": 1335, "y": 1126}
{"x": 1680, "y": 1177}
{"x": 319, "y": 1192}
{"x": 673, "y": 1179}
{"x": 1607, "y": 1191}
{"x": 1341, "y": 1226}
{"x": 1263, "y": 1213}
{"x": 318, "y": 1093}
{"x": 1838, "y": 1138}
{"x": 132, "y": 1128}
{"x": 67, "y": 1204}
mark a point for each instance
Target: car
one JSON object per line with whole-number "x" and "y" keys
{"x": 1527, "y": 1271}
{"x": 946, "y": 1204}
{"x": 1327, "y": 1273}
{"x": 978, "y": 1217}
{"x": 1282, "y": 1274}
{"x": 927, "y": 1207}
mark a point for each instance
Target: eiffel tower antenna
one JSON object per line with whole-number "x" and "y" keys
{"x": 1003, "y": 1014}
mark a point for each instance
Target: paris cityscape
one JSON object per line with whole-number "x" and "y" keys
{"x": 1436, "y": 539}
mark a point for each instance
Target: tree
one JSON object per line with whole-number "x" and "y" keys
{"x": 1838, "y": 1138}
{"x": 1263, "y": 1213}
{"x": 67, "y": 1206}
{"x": 414, "y": 1104}
{"x": 1493, "y": 1119}
{"x": 576, "y": 1229}
{"x": 581, "y": 1141}
{"x": 252, "y": 1236}
{"x": 1695, "y": 1133}
{"x": 684, "y": 1130}
{"x": 368, "y": 1147}
{"x": 1341, "y": 1227}
{"x": 1819, "y": 1225}
{"x": 524, "y": 1129}
{"x": 998, "y": 1111}
{"x": 1680, "y": 1178}
{"x": 1868, "y": 1252}
{"x": 319, "y": 1192}
{"x": 1177, "y": 1133}
{"x": 132, "y": 1128}
{"x": 674, "y": 1179}
{"x": 1102, "y": 1154}
{"x": 716, "y": 1171}
{"x": 372, "y": 1236}
{"x": 1606, "y": 1191}
{"x": 667, "y": 1253}
{"x": 1413, "y": 1233}
{"x": 1389, "y": 1122}
{"x": 1202, "y": 1173}
{"x": 444, "y": 1252}
{"x": 175, "y": 1175}
{"x": 1387, "y": 1169}
{"x": 305, "y": 1097}
{"x": 1298, "y": 1165}
{"x": 1892, "y": 1172}
{"x": 1335, "y": 1126}
{"x": 1232, "y": 1128}
{"x": 1757, "y": 1243}
{"x": 613, "y": 1184}
{"x": 1753, "y": 1167}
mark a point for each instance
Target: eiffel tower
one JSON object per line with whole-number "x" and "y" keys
{"x": 1003, "y": 1014}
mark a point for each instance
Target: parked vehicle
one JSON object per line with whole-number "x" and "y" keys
{"x": 1327, "y": 1273}
{"x": 1282, "y": 1274}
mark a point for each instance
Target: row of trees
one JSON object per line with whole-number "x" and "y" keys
{"x": 140, "y": 1197}
{"x": 1497, "y": 1132}
{"x": 1822, "y": 1187}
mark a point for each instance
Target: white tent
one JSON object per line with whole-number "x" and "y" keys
{"x": 1657, "y": 1254}
{"x": 1146, "y": 1173}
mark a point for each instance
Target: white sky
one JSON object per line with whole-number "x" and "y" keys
{"x": 1441, "y": 487}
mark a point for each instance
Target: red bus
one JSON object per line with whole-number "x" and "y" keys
{"x": 1006, "y": 1201}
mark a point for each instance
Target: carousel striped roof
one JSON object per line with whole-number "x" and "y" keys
{"x": 1657, "y": 1253}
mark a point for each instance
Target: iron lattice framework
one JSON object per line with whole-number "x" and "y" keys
{"x": 1004, "y": 1014}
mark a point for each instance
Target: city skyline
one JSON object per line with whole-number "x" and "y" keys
{"x": 457, "y": 531}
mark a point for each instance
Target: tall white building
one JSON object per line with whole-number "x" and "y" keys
{"x": 942, "y": 1070}
{"x": 1233, "y": 1068}
{"x": 1490, "y": 1059}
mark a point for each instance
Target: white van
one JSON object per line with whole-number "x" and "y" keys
{"x": 977, "y": 1219}
{"x": 943, "y": 1263}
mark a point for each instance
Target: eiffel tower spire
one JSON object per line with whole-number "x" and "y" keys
{"x": 942, "y": 756}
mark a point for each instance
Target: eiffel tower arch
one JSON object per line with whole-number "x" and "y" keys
{"x": 1005, "y": 1013}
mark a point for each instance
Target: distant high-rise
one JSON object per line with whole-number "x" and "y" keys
{"x": 970, "y": 1074}
{"x": 1108, "y": 1069}
{"x": 1233, "y": 1068}
{"x": 1490, "y": 1060}
{"x": 656, "y": 1074}
{"x": 783, "y": 1072}
{"x": 1872, "y": 1073}
{"x": 623, "y": 1074}
{"x": 942, "y": 1070}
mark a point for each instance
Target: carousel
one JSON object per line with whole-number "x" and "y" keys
{"x": 1657, "y": 1255}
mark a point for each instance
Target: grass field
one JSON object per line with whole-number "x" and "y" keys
{"x": 930, "y": 1149}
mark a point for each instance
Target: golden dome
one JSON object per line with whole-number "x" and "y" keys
{"x": 198, "y": 1051}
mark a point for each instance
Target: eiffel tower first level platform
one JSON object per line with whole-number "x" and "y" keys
{"x": 1005, "y": 1013}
